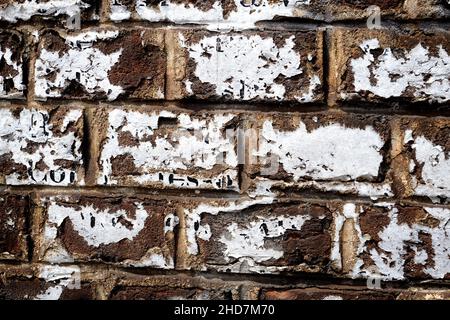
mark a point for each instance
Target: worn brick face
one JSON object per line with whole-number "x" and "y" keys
{"x": 101, "y": 64}
{"x": 167, "y": 149}
{"x": 14, "y": 11}
{"x": 41, "y": 146}
{"x": 267, "y": 66}
{"x": 13, "y": 230}
{"x": 391, "y": 66}
{"x": 126, "y": 231}
{"x": 12, "y": 82}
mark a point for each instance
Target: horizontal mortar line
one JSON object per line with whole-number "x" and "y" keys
{"x": 282, "y": 280}
{"x": 181, "y": 194}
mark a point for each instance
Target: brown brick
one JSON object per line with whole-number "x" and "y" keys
{"x": 166, "y": 149}
{"x": 12, "y": 81}
{"x": 267, "y": 66}
{"x": 127, "y": 231}
{"x": 390, "y": 65}
{"x": 243, "y": 14}
{"x": 13, "y": 233}
{"x": 349, "y": 293}
{"x": 327, "y": 152}
{"x": 101, "y": 64}
{"x": 245, "y": 236}
{"x": 41, "y": 146}
{"x": 400, "y": 242}
{"x": 19, "y": 10}
{"x": 427, "y": 150}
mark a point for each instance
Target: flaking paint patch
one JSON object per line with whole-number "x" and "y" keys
{"x": 196, "y": 143}
{"x": 6, "y": 56}
{"x": 435, "y": 163}
{"x": 418, "y": 71}
{"x": 32, "y": 129}
{"x": 332, "y": 152}
{"x": 82, "y": 62}
{"x": 24, "y": 10}
{"x": 59, "y": 278}
{"x": 257, "y": 63}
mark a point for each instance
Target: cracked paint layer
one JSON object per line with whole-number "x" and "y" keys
{"x": 261, "y": 240}
{"x": 266, "y": 67}
{"x": 388, "y": 75}
{"x": 399, "y": 242}
{"x": 168, "y": 149}
{"x": 11, "y": 75}
{"x": 13, "y": 11}
{"x": 36, "y": 148}
{"x": 131, "y": 232}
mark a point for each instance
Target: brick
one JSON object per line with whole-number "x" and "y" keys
{"x": 166, "y": 149}
{"x": 427, "y": 149}
{"x": 14, "y": 11}
{"x": 12, "y": 85}
{"x": 101, "y": 64}
{"x": 257, "y": 236}
{"x": 390, "y": 66}
{"x": 125, "y": 231}
{"x": 354, "y": 293}
{"x": 238, "y": 14}
{"x": 13, "y": 233}
{"x": 267, "y": 66}
{"x": 328, "y": 152}
{"x": 396, "y": 242}
{"x": 46, "y": 282}
{"x": 41, "y": 146}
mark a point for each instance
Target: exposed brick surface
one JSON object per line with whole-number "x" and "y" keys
{"x": 12, "y": 80}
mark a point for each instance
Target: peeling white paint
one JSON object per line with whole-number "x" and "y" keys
{"x": 32, "y": 129}
{"x": 97, "y": 227}
{"x": 249, "y": 240}
{"x": 426, "y": 75}
{"x": 17, "y": 91}
{"x": 257, "y": 63}
{"x": 118, "y": 11}
{"x": 196, "y": 143}
{"x": 435, "y": 163}
{"x": 60, "y": 277}
{"x": 81, "y": 62}
{"x": 332, "y": 152}
{"x": 24, "y": 10}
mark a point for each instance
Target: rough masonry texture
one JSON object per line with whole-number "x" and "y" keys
{"x": 225, "y": 149}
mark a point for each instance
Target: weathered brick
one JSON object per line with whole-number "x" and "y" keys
{"x": 266, "y": 66}
{"x": 41, "y": 146}
{"x": 427, "y": 148}
{"x": 101, "y": 64}
{"x": 162, "y": 148}
{"x": 16, "y": 10}
{"x": 243, "y": 14}
{"x": 394, "y": 242}
{"x": 324, "y": 151}
{"x": 46, "y": 282}
{"x": 390, "y": 65}
{"x": 12, "y": 85}
{"x": 248, "y": 236}
{"x": 13, "y": 233}
{"x": 127, "y": 231}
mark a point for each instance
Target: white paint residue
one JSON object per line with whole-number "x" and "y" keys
{"x": 197, "y": 143}
{"x": 32, "y": 130}
{"x": 331, "y": 152}
{"x": 397, "y": 237}
{"x": 24, "y": 10}
{"x": 96, "y": 226}
{"x": 253, "y": 74}
{"x": 331, "y": 297}
{"x": 435, "y": 164}
{"x": 193, "y": 219}
{"x": 62, "y": 277}
{"x": 118, "y": 11}
{"x": 249, "y": 241}
{"x": 86, "y": 65}
{"x": 419, "y": 71}
{"x": 170, "y": 222}
{"x": 71, "y": 117}
{"x": 243, "y": 16}
{"x": 17, "y": 78}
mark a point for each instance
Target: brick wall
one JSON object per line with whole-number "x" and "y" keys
{"x": 224, "y": 149}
